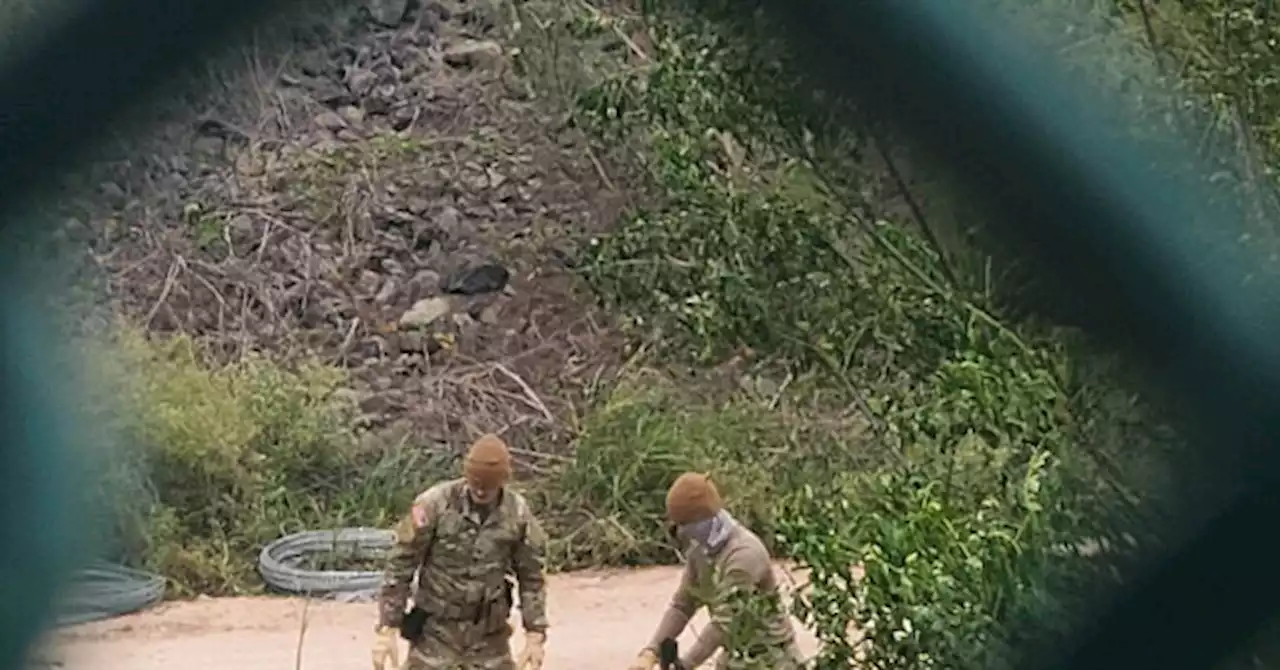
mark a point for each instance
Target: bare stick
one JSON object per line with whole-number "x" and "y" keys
{"x": 170, "y": 279}
{"x": 534, "y": 400}
{"x": 302, "y": 635}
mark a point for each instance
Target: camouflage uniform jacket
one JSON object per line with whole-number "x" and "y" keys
{"x": 737, "y": 585}
{"x": 461, "y": 558}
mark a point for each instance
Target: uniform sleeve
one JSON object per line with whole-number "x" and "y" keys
{"x": 530, "y": 568}
{"x": 679, "y": 611}
{"x": 413, "y": 535}
{"x": 735, "y": 587}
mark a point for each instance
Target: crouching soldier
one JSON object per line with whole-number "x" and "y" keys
{"x": 461, "y": 539}
{"x": 729, "y": 571}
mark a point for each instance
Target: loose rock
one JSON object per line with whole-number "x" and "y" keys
{"x": 388, "y": 12}
{"x": 208, "y": 146}
{"x": 423, "y": 283}
{"x": 486, "y": 278}
{"x": 361, "y": 82}
{"x": 331, "y": 121}
{"x": 448, "y": 222}
{"x": 313, "y": 64}
{"x": 331, "y": 95}
{"x": 490, "y": 314}
{"x": 475, "y": 54}
{"x": 403, "y": 117}
{"x": 352, "y": 114}
{"x": 425, "y": 311}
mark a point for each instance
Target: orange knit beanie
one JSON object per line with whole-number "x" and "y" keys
{"x": 692, "y": 498}
{"x": 488, "y": 462}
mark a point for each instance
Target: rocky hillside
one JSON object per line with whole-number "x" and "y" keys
{"x": 386, "y": 196}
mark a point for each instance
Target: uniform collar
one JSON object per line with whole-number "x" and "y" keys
{"x": 470, "y": 510}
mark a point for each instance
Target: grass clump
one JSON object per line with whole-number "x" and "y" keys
{"x": 215, "y": 461}
{"x": 646, "y": 432}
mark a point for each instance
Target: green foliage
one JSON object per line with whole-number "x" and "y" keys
{"x": 982, "y": 469}
{"x": 607, "y": 504}
{"x": 213, "y": 462}
{"x": 938, "y": 576}
{"x": 957, "y": 541}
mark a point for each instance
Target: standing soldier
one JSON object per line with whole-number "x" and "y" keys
{"x": 461, "y": 540}
{"x": 729, "y": 571}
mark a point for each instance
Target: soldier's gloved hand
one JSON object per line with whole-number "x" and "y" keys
{"x": 534, "y": 651}
{"x": 646, "y": 660}
{"x": 386, "y": 653}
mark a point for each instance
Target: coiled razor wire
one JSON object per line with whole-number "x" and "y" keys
{"x": 279, "y": 562}
{"x": 105, "y": 590}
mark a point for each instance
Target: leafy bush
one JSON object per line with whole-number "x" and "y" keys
{"x": 213, "y": 462}
{"x": 747, "y": 243}
{"x": 939, "y": 580}
{"x": 958, "y": 541}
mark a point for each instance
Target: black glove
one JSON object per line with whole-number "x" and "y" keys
{"x": 669, "y": 655}
{"x": 413, "y": 624}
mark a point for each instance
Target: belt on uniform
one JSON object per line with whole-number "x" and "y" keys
{"x": 476, "y": 612}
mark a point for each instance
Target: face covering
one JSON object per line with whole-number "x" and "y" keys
{"x": 710, "y": 533}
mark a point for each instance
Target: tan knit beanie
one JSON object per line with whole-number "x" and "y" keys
{"x": 692, "y": 498}
{"x": 488, "y": 462}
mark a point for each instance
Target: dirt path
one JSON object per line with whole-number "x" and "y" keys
{"x": 599, "y": 620}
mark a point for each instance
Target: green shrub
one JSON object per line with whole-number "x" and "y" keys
{"x": 214, "y": 461}
{"x": 747, "y": 243}
{"x": 957, "y": 540}
{"x": 939, "y": 581}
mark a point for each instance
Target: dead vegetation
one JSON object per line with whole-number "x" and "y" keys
{"x": 391, "y": 202}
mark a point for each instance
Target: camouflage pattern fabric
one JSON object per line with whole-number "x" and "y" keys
{"x": 461, "y": 558}
{"x": 442, "y": 648}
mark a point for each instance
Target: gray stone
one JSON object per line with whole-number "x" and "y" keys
{"x": 388, "y": 12}
{"x": 490, "y": 314}
{"x": 449, "y": 222}
{"x": 475, "y": 54}
{"x": 426, "y": 311}
{"x": 402, "y": 117}
{"x": 477, "y": 279}
{"x": 208, "y": 146}
{"x": 331, "y": 121}
{"x": 352, "y": 114}
{"x": 361, "y": 82}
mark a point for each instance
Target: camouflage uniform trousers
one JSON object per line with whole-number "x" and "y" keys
{"x": 786, "y": 658}
{"x": 461, "y": 645}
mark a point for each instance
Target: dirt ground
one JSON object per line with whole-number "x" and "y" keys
{"x": 599, "y": 620}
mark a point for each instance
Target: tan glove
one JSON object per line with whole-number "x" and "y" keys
{"x": 534, "y": 651}
{"x": 646, "y": 660}
{"x": 386, "y": 652}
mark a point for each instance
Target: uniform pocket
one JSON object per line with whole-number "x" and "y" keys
{"x": 500, "y": 610}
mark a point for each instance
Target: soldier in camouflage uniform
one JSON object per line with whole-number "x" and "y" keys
{"x": 461, "y": 539}
{"x": 729, "y": 571}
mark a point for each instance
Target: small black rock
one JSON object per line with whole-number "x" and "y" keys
{"x": 486, "y": 278}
